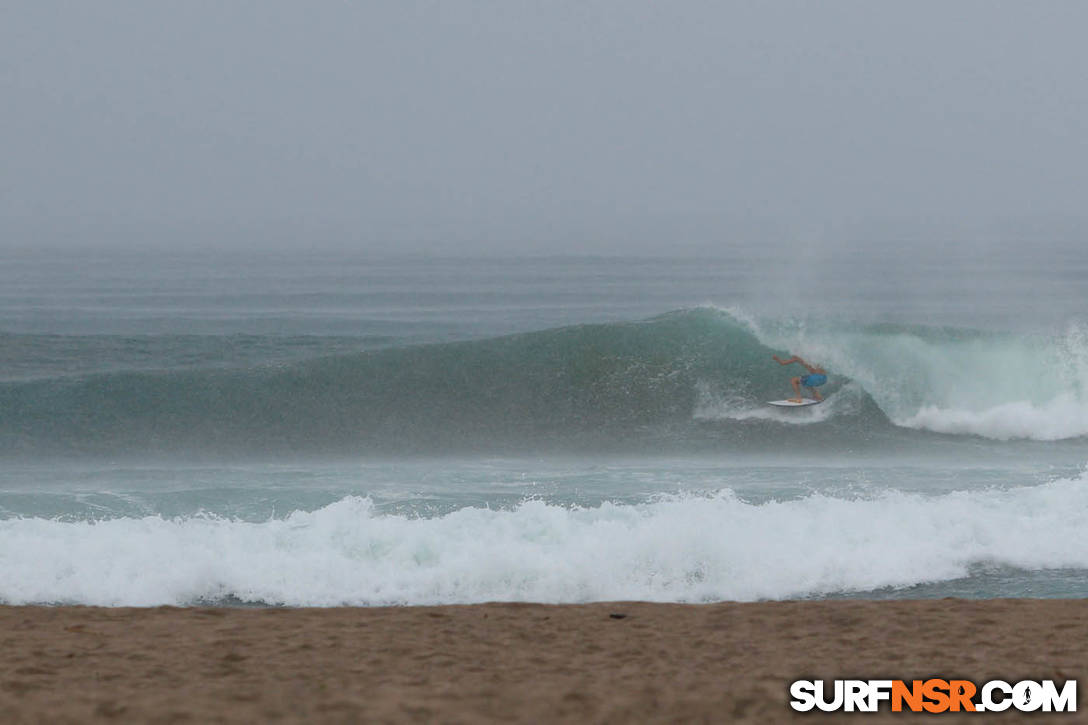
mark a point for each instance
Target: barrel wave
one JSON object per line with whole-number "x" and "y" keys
{"x": 687, "y": 380}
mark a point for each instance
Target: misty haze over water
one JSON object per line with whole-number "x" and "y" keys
{"x": 428, "y": 302}
{"x": 527, "y": 128}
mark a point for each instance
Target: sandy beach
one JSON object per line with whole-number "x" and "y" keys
{"x": 612, "y": 662}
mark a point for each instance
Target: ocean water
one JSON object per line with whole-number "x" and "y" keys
{"x": 331, "y": 428}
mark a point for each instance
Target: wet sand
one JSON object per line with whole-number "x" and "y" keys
{"x": 724, "y": 662}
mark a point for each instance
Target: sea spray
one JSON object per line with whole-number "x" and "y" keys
{"x": 997, "y": 385}
{"x": 691, "y": 548}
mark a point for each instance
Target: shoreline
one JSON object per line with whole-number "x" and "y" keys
{"x": 513, "y": 661}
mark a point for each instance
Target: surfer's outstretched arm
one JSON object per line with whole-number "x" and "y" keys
{"x": 798, "y": 359}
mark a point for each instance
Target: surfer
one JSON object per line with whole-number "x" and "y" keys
{"x": 816, "y": 377}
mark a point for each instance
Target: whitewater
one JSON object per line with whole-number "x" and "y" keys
{"x": 331, "y": 430}
{"x": 676, "y": 548}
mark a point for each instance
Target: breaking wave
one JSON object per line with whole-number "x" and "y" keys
{"x": 692, "y": 378}
{"x": 676, "y": 548}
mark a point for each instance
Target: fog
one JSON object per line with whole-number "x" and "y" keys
{"x": 532, "y": 127}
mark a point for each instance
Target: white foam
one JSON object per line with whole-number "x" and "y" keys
{"x": 690, "y": 548}
{"x": 712, "y": 403}
{"x": 1062, "y": 417}
{"x": 997, "y": 386}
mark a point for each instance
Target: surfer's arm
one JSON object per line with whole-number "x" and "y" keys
{"x": 799, "y": 359}
{"x": 794, "y": 359}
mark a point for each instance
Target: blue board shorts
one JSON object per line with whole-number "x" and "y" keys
{"x": 813, "y": 380}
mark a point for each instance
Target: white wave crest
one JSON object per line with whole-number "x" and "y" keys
{"x": 1062, "y": 417}
{"x": 690, "y": 548}
{"x": 995, "y": 385}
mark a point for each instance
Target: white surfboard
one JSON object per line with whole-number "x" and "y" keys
{"x": 791, "y": 404}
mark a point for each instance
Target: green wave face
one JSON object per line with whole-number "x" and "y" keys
{"x": 609, "y": 385}
{"x": 688, "y": 380}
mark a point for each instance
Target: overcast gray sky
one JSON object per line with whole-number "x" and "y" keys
{"x": 538, "y": 126}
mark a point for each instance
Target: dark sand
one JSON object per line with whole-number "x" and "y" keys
{"x": 516, "y": 662}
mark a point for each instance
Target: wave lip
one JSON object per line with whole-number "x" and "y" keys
{"x": 692, "y": 379}
{"x": 616, "y": 386}
{"x": 679, "y": 548}
{"x": 956, "y": 381}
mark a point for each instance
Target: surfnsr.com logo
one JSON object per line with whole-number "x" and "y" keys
{"x": 933, "y": 695}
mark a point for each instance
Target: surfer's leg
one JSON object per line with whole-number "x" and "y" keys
{"x": 816, "y": 394}
{"x": 796, "y": 383}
